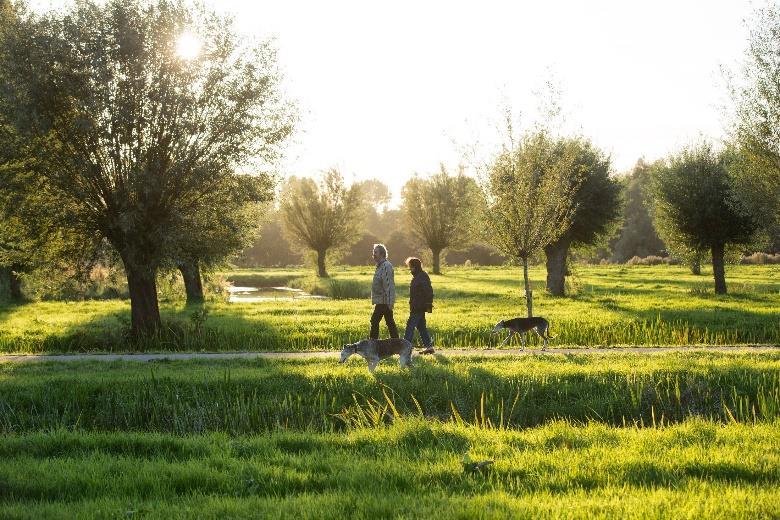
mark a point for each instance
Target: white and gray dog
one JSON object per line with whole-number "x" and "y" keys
{"x": 375, "y": 350}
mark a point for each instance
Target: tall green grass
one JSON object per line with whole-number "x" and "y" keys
{"x": 412, "y": 469}
{"x": 243, "y": 397}
{"x": 608, "y": 306}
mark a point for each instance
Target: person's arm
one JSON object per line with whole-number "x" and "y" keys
{"x": 390, "y": 286}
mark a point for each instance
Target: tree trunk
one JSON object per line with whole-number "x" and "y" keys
{"x": 10, "y": 285}
{"x": 556, "y": 267}
{"x": 529, "y": 297}
{"x": 193, "y": 286}
{"x": 718, "y": 269}
{"x": 144, "y": 311}
{"x": 321, "y": 271}
{"x": 696, "y": 266}
{"x": 436, "y": 257}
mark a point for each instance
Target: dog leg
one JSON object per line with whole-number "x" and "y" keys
{"x": 542, "y": 335}
{"x": 406, "y": 359}
{"x": 372, "y": 365}
{"x": 522, "y": 341}
{"x": 508, "y": 337}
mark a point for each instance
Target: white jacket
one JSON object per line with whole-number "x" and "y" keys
{"x": 383, "y": 286}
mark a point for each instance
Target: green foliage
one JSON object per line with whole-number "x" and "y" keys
{"x": 638, "y": 236}
{"x": 696, "y": 209}
{"x": 132, "y": 139}
{"x": 439, "y": 210}
{"x": 529, "y": 194}
{"x": 322, "y": 216}
{"x": 757, "y": 122}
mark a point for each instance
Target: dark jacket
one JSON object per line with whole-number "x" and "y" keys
{"x": 421, "y": 293}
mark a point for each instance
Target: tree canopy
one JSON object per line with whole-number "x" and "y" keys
{"x": 695, "y": 203}
{"x": 323, "y": 216}
{"x": 439, "y": 211}
{"x": 757, "y": 123}
{"x": 597, "y": 205}
{"x": 529, "y": 195}
{"x": 132, "y": 136}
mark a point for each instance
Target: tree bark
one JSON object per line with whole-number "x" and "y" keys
{"x": 436, "y": 260}
{"x": 144, "y": 310}
{"x": 10, "y": 285}
{"x": 321, "y": 271}
{"x": 529, "y": 297}
{"x": 556, "y": 267}
{"x": 718, "y": 269}
{"x": 695, "y": 266}
{"x": 193, "y": 286}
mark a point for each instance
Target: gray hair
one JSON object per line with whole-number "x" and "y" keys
{"x": 382, "y": 249}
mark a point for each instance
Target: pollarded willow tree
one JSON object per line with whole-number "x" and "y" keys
{"x": 439, "y": 211}
{"x": 226, "y": 223}
{"x": 756, "y": 127}
{"x": 323, "y": 216}
{"x": 529, "y": 198}
{"x": 694, "y": 202}
{"x": 597, "y": 208}
{"x": 133, "y": 133}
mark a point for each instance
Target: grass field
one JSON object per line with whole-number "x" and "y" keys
{"x": 608, "y": 305}
{"x": 412, "y": 469}
{"x": 666, "y": 435}
{"x": 581, "y": 436}
{"x": 243, "y": 397}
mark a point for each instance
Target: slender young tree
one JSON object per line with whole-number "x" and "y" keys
{"x": 529, "y": 198}
{"x": 323, "y": 216}
{"x": 134, "y": 112}
{"x": 694, "y": 202}
{"x": 439, "y": 211}
{"x": 597, "y": 207}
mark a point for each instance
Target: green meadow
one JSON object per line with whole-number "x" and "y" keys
{"x": 607, "y": 306}
{"x": 590, "y": 435}
{"x": 578, "y": 436}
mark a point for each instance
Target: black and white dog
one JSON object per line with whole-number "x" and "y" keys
{"x": 521, "y": 326}
{"x": 375, "y": 350}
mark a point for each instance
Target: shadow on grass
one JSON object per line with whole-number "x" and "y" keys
{"x": 250, "y": 396}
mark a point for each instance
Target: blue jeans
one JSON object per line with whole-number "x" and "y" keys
{"x": 417, "y": 320}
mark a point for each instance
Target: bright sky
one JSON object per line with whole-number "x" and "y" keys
{"x": 389, "y": 89}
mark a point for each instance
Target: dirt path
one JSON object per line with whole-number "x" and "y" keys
{"x": 334, "y": 354}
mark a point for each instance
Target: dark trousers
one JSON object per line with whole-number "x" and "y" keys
{"x": 417, "y": 320}
{"x": 383, "y": 311}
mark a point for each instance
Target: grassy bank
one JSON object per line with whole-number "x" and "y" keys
{"x": 244, "y": 397}
{"x": 412, "y": 469}
{"x": 608, "y": 305}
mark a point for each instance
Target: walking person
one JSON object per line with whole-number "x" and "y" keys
{"x": 383, "y": 293}
{"x": 420, "y": 302}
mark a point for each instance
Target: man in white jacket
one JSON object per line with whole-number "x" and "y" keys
{"x": 383, "y": 293}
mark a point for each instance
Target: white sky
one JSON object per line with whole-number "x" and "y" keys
{"x": 389, "y": 89}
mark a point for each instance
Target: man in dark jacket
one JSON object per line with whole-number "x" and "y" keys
{"x": 420, "y": 302}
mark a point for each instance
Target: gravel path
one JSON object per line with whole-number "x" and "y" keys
{"x": 334, "y": 354}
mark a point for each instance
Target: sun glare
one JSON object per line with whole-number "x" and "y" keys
{"x": 188, "y": 46}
